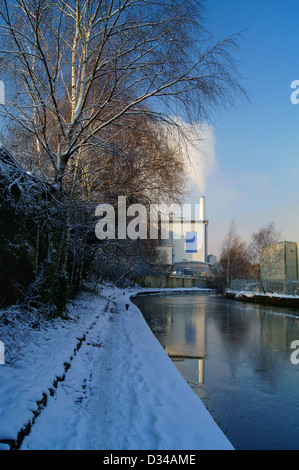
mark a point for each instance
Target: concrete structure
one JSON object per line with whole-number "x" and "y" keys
{"x": 280, "y": 262}
{"x": 187, "y": 247}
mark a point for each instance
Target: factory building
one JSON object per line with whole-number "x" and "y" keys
{"x": 186, "y": 249}
{"x": 280, "y": 262}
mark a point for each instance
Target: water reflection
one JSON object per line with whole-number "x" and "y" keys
{"x": 236, "y": 357}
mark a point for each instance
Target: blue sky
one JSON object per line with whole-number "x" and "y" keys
{"x": 255, "y": 178}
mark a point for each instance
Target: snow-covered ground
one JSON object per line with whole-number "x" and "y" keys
{"x": 249, "y": 294}
{"x": 100, "y": 382}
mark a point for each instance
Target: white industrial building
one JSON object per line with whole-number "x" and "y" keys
{"x": 186, "y": 249}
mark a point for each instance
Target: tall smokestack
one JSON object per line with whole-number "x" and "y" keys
{"x": 202, "y": 215}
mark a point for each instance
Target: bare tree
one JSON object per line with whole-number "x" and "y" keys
{"x": 265, "y": 259}
{"x": 234, "y": 262}
{"x": 79, "y": 72}
{"x": 137, "y": 163}
{"x": 79, "y": 66}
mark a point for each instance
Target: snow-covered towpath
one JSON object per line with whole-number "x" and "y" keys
{"x": 118, "y": 390}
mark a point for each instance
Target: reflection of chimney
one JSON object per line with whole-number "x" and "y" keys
{"x": 202, "y": 215}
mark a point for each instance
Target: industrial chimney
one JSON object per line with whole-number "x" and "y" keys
{"x": 202, "y": 215}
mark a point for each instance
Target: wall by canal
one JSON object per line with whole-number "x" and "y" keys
{"x": 172, "y": 282}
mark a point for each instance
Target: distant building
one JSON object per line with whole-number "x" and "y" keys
{"x": 212, "y": 260}
{"x": 186, "y": 250}
{"x": 280, "y": 262}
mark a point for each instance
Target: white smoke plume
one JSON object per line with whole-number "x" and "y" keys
{"x": 202, "y": 157}
{"x": 197, "y": 141}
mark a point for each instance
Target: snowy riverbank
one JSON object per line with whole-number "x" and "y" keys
{"x": 274, "y": 299}
{"x": 99, "y": 382}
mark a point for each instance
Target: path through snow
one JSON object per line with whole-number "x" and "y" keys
{"x": 120, "y": 390}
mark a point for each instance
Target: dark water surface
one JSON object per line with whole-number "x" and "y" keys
{"x": 237, "y": 358}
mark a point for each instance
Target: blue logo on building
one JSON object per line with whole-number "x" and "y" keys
{"x": 191, "y": 242}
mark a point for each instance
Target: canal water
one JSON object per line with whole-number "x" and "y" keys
{"x": 237, "y": 359}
